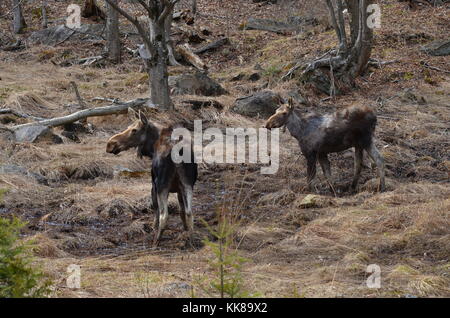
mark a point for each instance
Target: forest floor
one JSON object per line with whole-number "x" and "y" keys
{"x": 91, "y": 213}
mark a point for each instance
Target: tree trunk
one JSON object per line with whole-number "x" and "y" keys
{"x": 155, "y": 51}
{"x": 194, "y": 7}
{"x": 44, "y": 15}
{"x": 353, "y": 53}
{"x": 112, "y": 33}
{"x": 157, "y": 66}
{"x": 18, "y": 21}
{"x": 362, "y": 47}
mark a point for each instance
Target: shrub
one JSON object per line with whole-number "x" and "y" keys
{"x": 226, "y": 263}
{"x": 18, "y": 278}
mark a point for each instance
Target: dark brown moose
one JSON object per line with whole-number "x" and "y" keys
{"x": 320, "y": 135}
{"x": 154, "y": 141}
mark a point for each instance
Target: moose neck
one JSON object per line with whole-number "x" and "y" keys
{"x": 295, "y": 125}
{"x": 151, "y": 136}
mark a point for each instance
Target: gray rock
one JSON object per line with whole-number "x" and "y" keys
{"x": 60, "y": 33}
{"x": 438, "y": 48}
{"x": 36, "y": 133}
{"x": 31, "y": 133}
{"x": 195, "y": 84}
{"x": 14, "y": 169}
{"x": 263, "y": 104}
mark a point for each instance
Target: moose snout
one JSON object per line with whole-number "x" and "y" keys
{"x": 269, "y": 124}
{"x": 112, "y": 147}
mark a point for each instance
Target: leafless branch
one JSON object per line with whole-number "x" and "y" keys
{"x": 82, "y": 114}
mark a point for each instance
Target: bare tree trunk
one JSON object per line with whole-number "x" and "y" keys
{"x": 194, "y": 7}
{"x": 18, "y": 21}
{"x": 44, "y": 15}
{"x": 353, "y": 53}
{"x": 112, "y": 33}
{"x": 157, "y": 66}
{"x": 156, "y": 45}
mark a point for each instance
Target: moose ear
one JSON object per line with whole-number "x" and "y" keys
{"x": 291, "y": 103}
{"x": 143, "y": 118}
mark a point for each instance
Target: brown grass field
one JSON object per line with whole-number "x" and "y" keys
{"x": 92, "y": 214}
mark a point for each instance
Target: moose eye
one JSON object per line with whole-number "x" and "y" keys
{"x": 133, "y": 131}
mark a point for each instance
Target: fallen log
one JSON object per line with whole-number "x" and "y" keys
{"x": 186, "y": 52}
{"x": 82, "y": 114}
{"x": 212, "y": 46}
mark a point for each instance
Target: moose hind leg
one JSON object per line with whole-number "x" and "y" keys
{"x": 182, "y": 209}
{"x": 163, "y": 213}
{"x": 378, "y": 159}
{"x": 187, "y": 198}
{"x": 357, "y": 166}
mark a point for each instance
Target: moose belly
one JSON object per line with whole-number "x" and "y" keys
{"x": 175, "y": 185}
{"x": 336, "y": 142}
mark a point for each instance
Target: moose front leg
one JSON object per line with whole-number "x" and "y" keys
{"x": 373, "y": 152}
{"x": 311, "y": 161}
{"x": 326, "y": 168}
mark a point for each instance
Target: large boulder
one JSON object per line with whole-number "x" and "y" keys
{"x": 36, "y": 133}
{"x": 60, "y": 33}
{"x": 438, "y": 48}
{"x": 195, "y": 84}
{"x": 261, "y": 104}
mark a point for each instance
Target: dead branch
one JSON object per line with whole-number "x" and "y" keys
{"x": 82, "y": 114}
{"x": 378, "y": 63}
{"x": 105, "y": 99}
{"x": 90, "y": 60}
{"x": 212, "y": 46}
{"x": 77, "y": 93}
{"x": 5, "y": 111}
{"x": 186, "y": 52}
{"x": 434, "y": 68}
